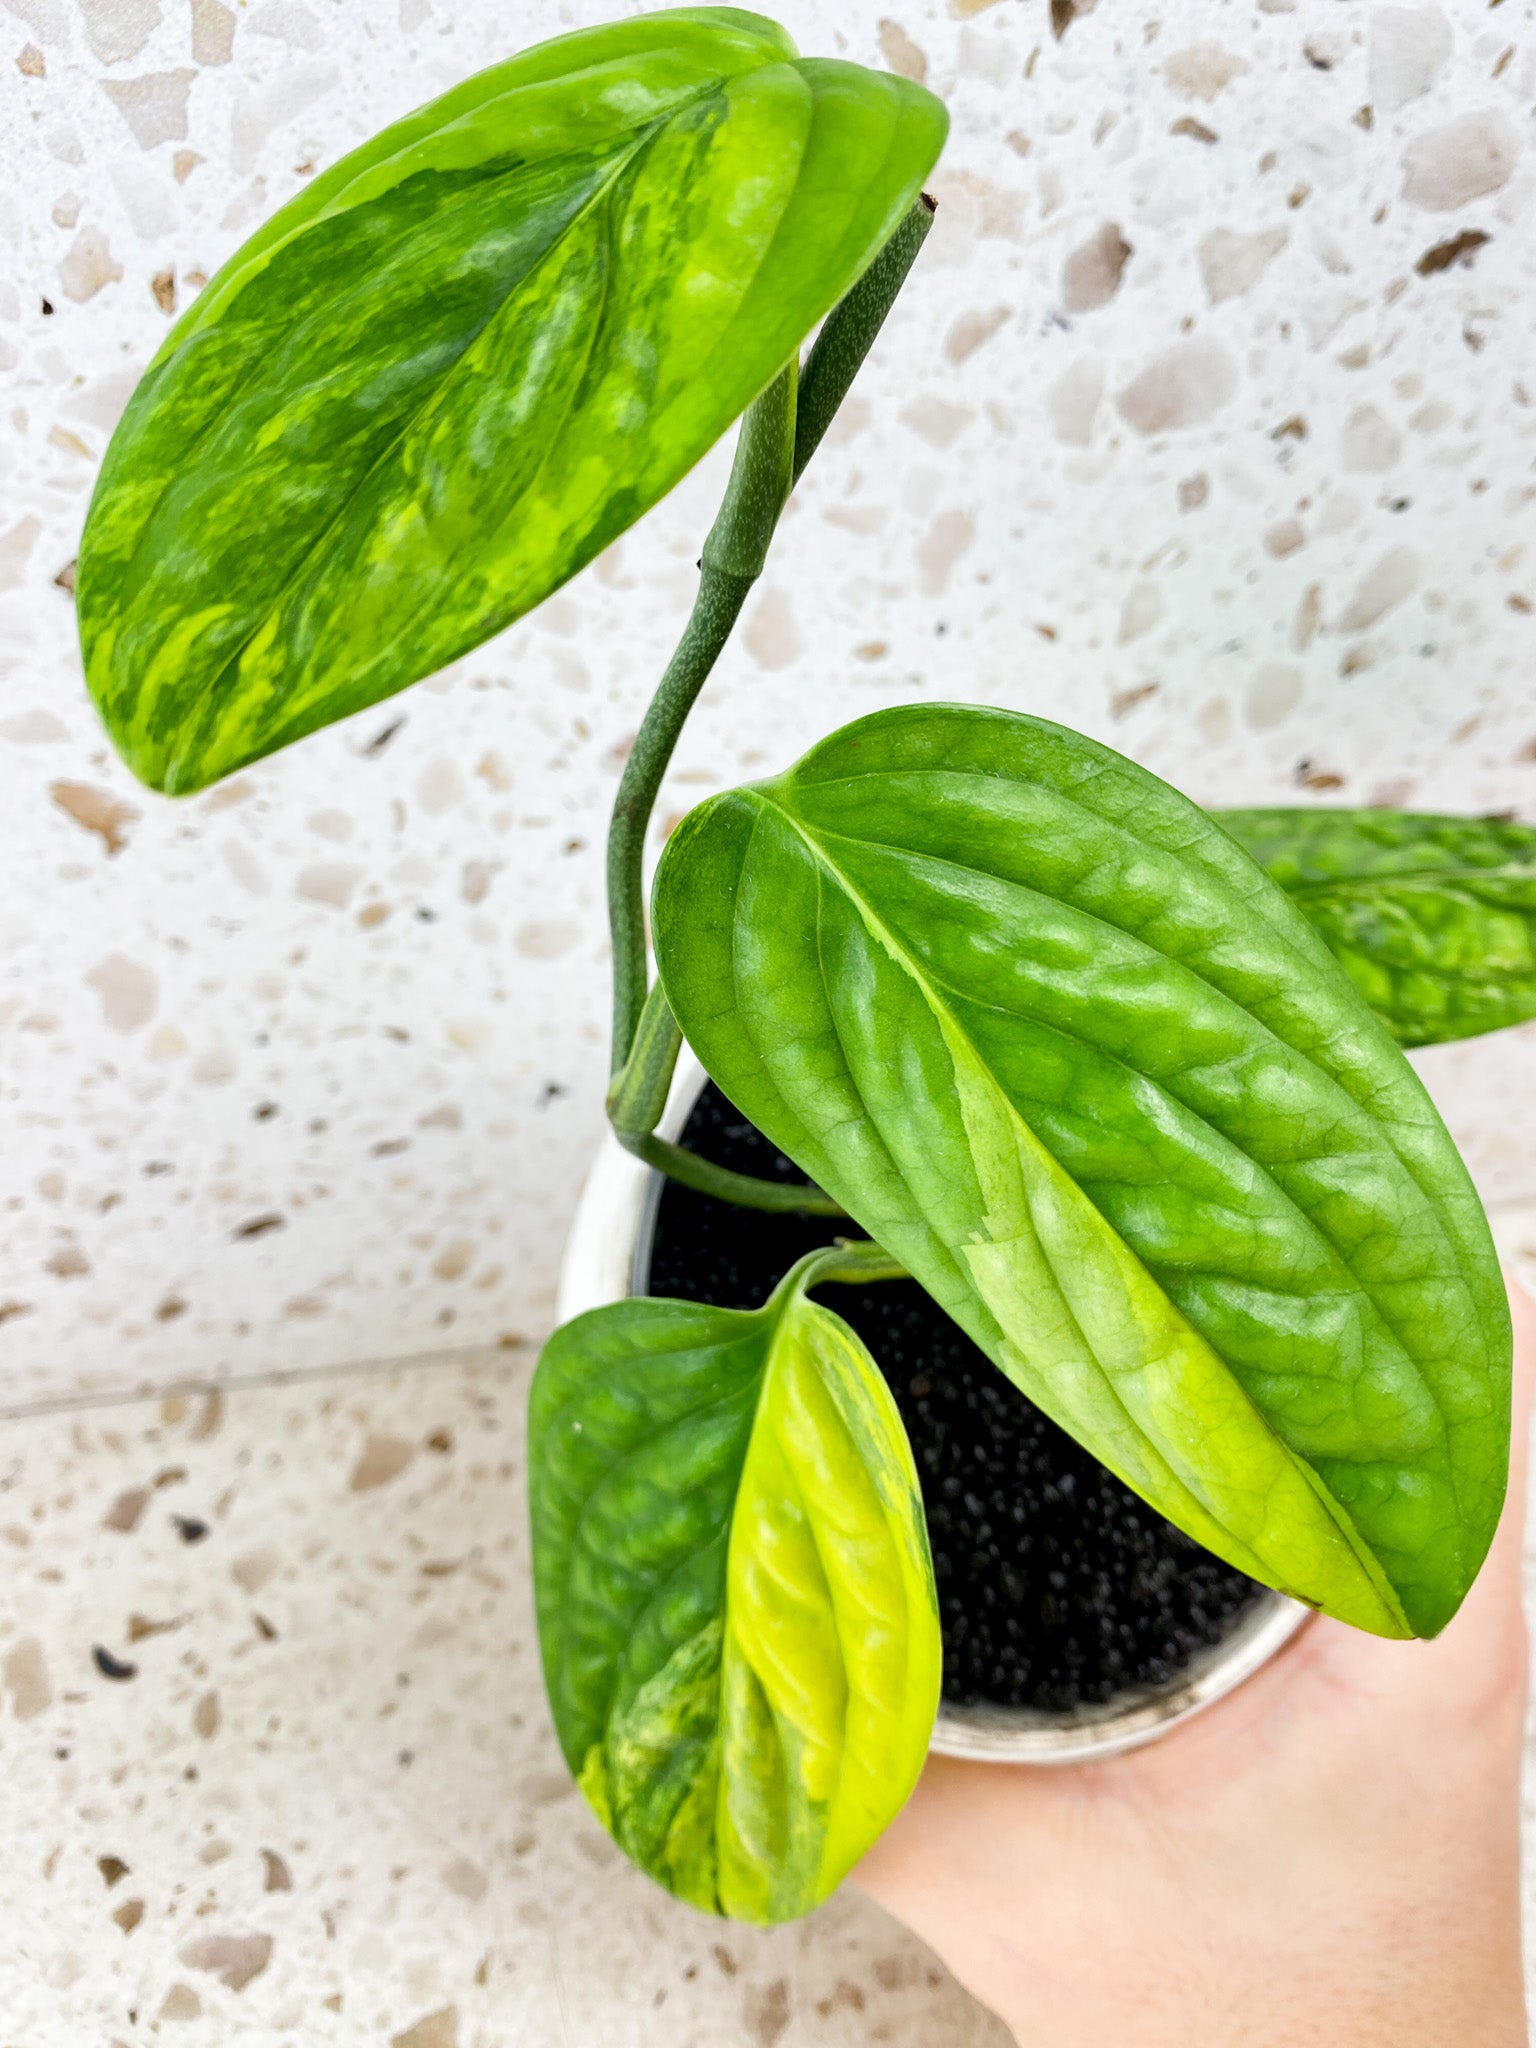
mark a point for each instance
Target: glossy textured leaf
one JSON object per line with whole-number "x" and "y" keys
{"x": 1065, "y": 1051}
{"x": 1433, "y": 918}
{"x": 735, "y": 1600}
{"x": 461, "y": 362}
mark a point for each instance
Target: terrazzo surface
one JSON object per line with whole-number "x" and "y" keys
{"x": 275, "y": 1764}
{"x": 1206, "y": 423}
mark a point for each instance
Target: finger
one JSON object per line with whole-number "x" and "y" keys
{"x": 1482, "y": 1650}
{"x": 919, "y": 1839}
{"x": 969, "y": 1843}
{"x": 1523, "y": 1311}
{"x": 956, "y": 1813}
{"x": 1501, "y": 1576}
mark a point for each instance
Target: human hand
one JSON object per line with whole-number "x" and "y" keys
{"x": 1331, "y": 1855}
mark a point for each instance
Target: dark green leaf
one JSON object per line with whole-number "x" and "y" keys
{"x": 445, "y": 376}
{"x": 1433, "y": 918}
{"x": 735, "y": 1601}
{"x": 1065, "y": 1051}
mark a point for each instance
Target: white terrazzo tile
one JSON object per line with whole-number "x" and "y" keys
{"x": 327, "y": 1806}
{"x": 1206, "y": 424}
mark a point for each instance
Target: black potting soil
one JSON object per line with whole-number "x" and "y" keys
{"x": 1057, "y": 1585}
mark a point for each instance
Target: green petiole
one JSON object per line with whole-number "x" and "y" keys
{"x": 780, "y": 431}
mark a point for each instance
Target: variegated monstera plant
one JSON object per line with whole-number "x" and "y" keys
{"x": 1121, "y": 1083}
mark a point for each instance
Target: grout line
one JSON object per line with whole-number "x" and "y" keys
{"x": 249, "y": 1382}
{"x": 411, "y": 1361}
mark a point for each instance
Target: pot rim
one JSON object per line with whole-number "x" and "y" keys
{"x": 607, "y": 1258}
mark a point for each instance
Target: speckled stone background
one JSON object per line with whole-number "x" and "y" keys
{"x": 319, "y": 1801}
{"x": 1208, "y": 423}
{"x": 275, "y": 1764}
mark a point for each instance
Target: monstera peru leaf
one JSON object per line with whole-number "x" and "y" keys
{"x": 1073, "y": 1059}
{"x": 735, "y": 1601}
{"x": 1433, "y": 919}
{"x": 449, "y": 372}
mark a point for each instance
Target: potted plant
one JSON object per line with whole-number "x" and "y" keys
{"x": 1117, "y": 1085}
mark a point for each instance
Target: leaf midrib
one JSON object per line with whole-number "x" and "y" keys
{"x": 196, "y": 446}
{"x": 339, "y": 205}
{"x": 623, "y": 161}
{"x": 774, "y": 1315}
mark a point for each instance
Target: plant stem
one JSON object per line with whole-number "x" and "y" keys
{"x": 637, "y": 1094}
{"x": 733, "y": 557}
{"x": 849, "y": 330}
{"x": 780, "y": 431}
{"x": 785, "y": 1197}
{"x": 853, "y": 1261}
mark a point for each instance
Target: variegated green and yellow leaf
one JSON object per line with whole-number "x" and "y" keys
{"x": 735, "y": 1601}
{"x": 463, "y": 361}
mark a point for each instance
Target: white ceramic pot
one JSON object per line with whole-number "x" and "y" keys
{"x": 608, "y": 1257}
